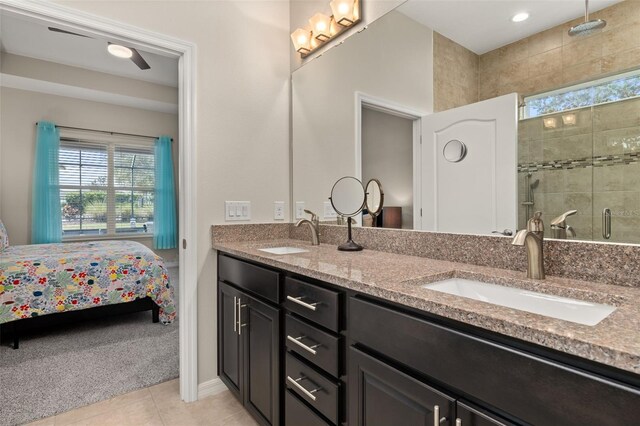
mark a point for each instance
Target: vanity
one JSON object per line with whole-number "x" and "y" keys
{"x": 324, "y": 337}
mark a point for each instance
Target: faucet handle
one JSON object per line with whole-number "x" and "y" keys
{"x": 560, "y": 220}
{"x": 314, "y": 217}
{"x": 535, "y": 224}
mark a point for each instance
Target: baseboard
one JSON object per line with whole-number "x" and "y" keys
{"x": 171, "y": 264}
{"x": 210, "y": 387}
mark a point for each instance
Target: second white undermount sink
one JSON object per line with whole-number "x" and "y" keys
{"x": 283, "y": 250}
{"x": 563, "y": 308}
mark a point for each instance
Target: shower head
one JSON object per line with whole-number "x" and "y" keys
{"x": 587, "y": 27}
{"x": 535, "y": 184}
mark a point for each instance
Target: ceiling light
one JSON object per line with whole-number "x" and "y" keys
{"x": 301, "y": 40}
{"x": 119, "y": 51}
{"x": 519, "y": 17}
{"x": 550, "y": 123}
{"x": 321, "y": 25}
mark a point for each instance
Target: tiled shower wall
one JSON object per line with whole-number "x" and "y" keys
{"x": 455, "y": 74}
{"x": 551, "y": 59}
{"x": 587, "y": 166}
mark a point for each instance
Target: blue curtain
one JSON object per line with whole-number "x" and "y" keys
{"x": 46, "y": 220}
{"x": 164, "y": 221}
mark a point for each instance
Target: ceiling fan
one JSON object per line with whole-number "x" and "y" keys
{"x": 115, "y": 49}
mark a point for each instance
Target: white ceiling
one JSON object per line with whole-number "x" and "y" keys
{"x": 482, "y": 26}
{"x": 31, "y": 38}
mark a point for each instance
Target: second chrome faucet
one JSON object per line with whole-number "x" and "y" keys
{"x": 532, "y": 237}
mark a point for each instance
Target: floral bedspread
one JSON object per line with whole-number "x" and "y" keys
{"x": 48, "y": 278}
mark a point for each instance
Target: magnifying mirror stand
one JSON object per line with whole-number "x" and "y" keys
{"x": 350, "y": 245}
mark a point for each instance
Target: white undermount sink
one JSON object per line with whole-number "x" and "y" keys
{"x": 283, "y": 250}
{"x": 564, "y": 308}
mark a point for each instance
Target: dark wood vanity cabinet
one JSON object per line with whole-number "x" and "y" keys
{"x": 249, "y": 340}
{"x": 523, "y": 387}
{"x": 296, "y": 351}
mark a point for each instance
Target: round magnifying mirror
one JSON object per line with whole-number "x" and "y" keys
{"x": 454, "y": 151}
{"x": 347, "y": 196}
{"x": 375, "y": 198}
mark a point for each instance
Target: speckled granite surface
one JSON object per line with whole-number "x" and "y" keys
{"x": 615, "y": 341}
{"x": 600, "y": 262}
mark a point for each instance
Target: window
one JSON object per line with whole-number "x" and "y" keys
{"x": 106, "y": 188}
{"x": 610, "y": 89}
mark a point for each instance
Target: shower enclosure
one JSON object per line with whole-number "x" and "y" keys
{"x": 585, "y": 159}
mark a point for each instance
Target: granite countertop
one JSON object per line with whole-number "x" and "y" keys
{"x": 615, "y": 341}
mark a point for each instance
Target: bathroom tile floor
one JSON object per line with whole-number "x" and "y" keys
{"x": 157, "y": 405}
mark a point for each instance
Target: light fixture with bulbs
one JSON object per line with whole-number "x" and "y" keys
{"x": 323, "y": 28}
{"x": 550, "y": 123}
{"x": 119, "y": 51}
{"x": 569, "y": 119}
{"x": 519, "y": 17}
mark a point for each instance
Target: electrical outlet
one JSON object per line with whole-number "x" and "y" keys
{"x": 329, "y": 212}
{"x": 299, "y": 209}
{"x": 237, "y": 210}
{"x": 278, "y": 210}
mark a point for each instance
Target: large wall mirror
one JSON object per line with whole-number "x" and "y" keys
{"x": 548, "y": 121}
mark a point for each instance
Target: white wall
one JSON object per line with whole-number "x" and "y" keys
{"x": 21, "y": 109}
{"x": 378, "y": 62}
{"x": 242, "y": 116}
{"x": 387, "y": 155}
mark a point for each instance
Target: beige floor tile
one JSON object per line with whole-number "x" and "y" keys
{"x": 104, "y": 407}
{"x": 138, "y": 413}
{"x": 49, "y": 421}
{"x": 242, "y": 418}
{"x": 203, "y": 412}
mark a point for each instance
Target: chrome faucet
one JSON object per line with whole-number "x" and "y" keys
{"x": 314, "y": 225}
{"x": 559, "y": 226}
{"x": 532, "y": 238}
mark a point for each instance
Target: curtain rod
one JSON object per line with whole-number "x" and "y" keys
{"x": 106, "y": 131}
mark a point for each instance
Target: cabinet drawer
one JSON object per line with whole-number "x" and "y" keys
{"x": 528, "y": 387}
{"x": 297, "y": 413}
{"x": 318, "y": 391}
{"x": 260, "y": 281}
{"x": 320, "y": 348}
{"x": 312, "y": 302}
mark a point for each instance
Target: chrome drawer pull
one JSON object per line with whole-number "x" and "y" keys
{"x": 299, "y": 301}
{"x": 436, "y": 415}
{"x": 309, "y": 393}
{"x": 310, "y": 349}
{"x": 235, "y": 315}
{"x": 458, "y": 422}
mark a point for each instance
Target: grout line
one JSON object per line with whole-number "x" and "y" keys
{"x": 155, "y": 404}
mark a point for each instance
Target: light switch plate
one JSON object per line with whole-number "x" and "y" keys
{"x": 237, "y": 210}
{"x": 329, "y": 212}
{"x": 299, "y": 209}
{"x": 278, "y": 210}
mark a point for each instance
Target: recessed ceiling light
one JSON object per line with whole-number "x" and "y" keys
{"x": 519, "y": 17}
{"x": 119, "y": 51}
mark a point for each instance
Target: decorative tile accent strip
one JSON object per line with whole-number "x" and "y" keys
{"x": 596, "y": 161}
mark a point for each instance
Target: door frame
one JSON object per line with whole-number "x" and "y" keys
{"x": 187, "y": 176}
{"x": 362, "y": 100}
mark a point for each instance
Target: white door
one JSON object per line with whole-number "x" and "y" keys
{"x": 477, "y": 194}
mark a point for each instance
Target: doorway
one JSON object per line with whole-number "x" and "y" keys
{"x": 388, "y": 149}
{"x": 60, "y": 16}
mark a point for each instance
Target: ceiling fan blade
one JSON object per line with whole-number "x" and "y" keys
{"x": 58, "y": 30}
{"x": 139, "y": 60}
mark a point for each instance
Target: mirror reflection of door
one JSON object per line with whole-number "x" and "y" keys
{"x": 387, "y": 155}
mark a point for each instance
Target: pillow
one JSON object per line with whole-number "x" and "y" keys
{"x": 4, "y": 237}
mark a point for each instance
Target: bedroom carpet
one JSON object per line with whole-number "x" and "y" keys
{"x": 75, "y": 365}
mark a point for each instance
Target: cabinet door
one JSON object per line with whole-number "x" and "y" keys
{"x": 381, "y": 395}
{"x": 260, "y": 325}
{"x": 467, "y": 415}
{"x": 229, "y": 351}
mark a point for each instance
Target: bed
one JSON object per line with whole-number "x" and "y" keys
{"x": 44, "y": 279}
